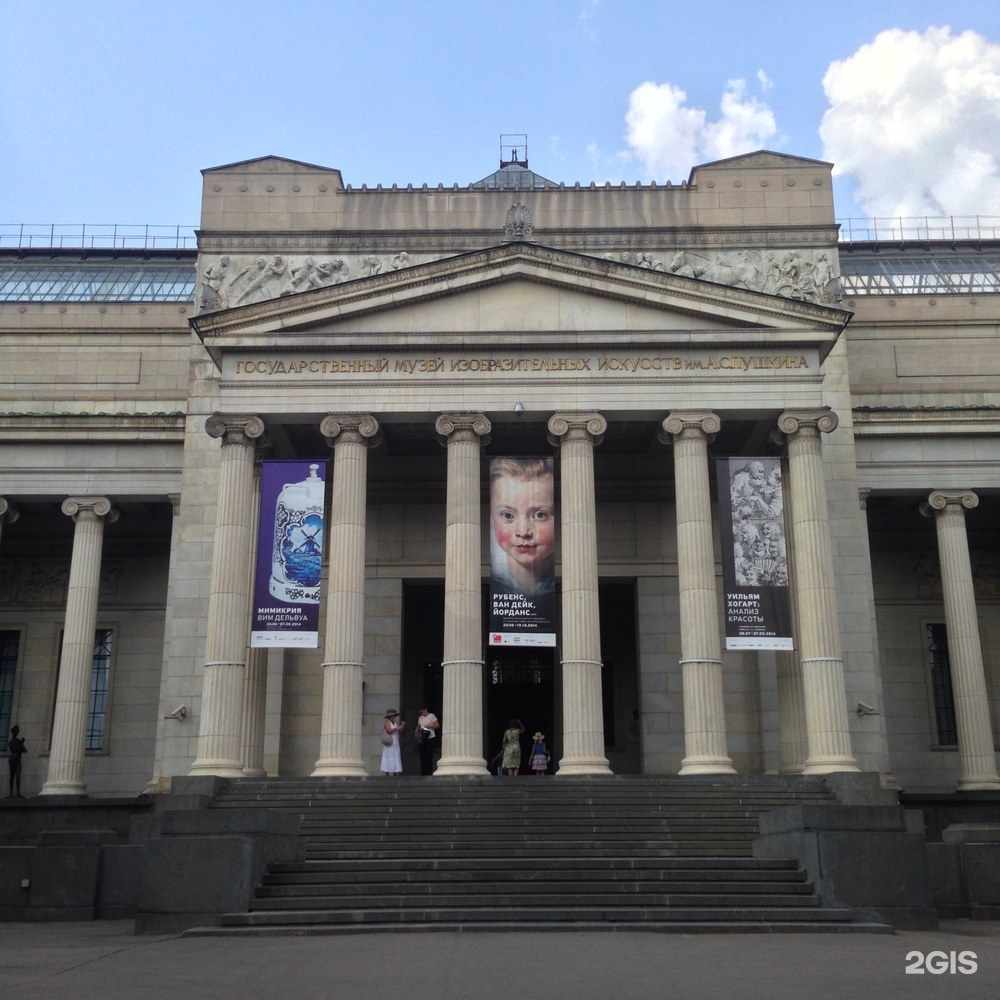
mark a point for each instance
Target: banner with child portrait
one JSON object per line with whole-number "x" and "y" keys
{"x": 754, "y": 556}
{"x": 522, "y": 552}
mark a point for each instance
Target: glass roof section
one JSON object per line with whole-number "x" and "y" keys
{"x": 919, "y": 273}
{"x": 97, "y": 282}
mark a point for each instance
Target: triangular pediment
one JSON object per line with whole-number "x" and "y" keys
{"x": 268, "y": 164}
{"x": 521, "y": 293}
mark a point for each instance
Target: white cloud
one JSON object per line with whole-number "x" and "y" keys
{"x": 914, "y": 120}
{"x": 669, "y": 137}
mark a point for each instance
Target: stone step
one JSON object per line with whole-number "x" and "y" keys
{"x": 677, "y": 926}
{"x": 574, "y": 914}
{"x": 530, "y": 867}
{"x": 680, "y": 848}
{"x": 527, "y": 903}
{"x": 663, "y": 853}
{"x": 273, "y": 887}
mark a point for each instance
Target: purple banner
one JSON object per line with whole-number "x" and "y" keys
{"x": 754, "y": 559}
{"x": 522, "y": 552}
{"x": 289, "y": 554}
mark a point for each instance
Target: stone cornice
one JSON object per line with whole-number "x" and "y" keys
{"x": 92, "y": 426}
{"x": 870, "y": 422}
{"x": 590, "y": 240}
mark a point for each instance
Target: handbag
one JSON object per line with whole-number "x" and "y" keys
{"x": 422, "y": 735}
{"x": 386, "y": 740}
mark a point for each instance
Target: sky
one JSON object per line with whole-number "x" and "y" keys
{"x": 111, "y": 109}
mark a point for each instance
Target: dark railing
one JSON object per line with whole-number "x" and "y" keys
{"x": 920, "y": 229}
{"x": 80, "y": 236}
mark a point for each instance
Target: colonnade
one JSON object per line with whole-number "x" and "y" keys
{"x": 812, "y": 689}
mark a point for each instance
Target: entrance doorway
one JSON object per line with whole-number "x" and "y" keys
{"x": 525, "y": 683}
{"x": 520, "y": 684}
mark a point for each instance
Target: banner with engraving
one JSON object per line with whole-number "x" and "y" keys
{"x": 754, "y": 559}
{"x": 522, "y": 552}
{"x": 285, "y": 608}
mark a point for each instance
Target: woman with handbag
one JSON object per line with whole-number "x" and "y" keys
{"x": 392, "y": 761}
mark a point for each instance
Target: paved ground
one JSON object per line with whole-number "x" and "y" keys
{"x": 105, "y": 961}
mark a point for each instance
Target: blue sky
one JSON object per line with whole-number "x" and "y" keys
{"x": 111, "y": 109}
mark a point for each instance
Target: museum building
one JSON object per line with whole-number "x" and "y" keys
{"x": 398, "y": 339}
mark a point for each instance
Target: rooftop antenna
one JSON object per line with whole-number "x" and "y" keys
{"x": 514, "y": 150}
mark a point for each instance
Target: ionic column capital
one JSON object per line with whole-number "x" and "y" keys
{"x": 940, "y": 500}
{"x": 575, "y": 426}
{"x": 358, "y": 428}
{"x": 235, "y": 428}
{"x": 805, "y": 422}
{"x": 100, "y": 507}
{"x": 704, "y": 424}
{"x": 463, "y": 425}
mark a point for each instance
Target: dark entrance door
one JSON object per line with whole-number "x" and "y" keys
{"x": 520, "y": 684}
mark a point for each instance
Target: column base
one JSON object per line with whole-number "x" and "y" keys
{"x": 829, "y": 765}
{"x": 979, "y": 783}
{"x": 580, "y": 765}
{"x": 707, "y": 765}
{"x": 254, "y": 772}
{"x": 461, "y": 766}
{"x": 216, "y": 768}
{"x": 63, "y": 788}
{"x": 339, "y": 769}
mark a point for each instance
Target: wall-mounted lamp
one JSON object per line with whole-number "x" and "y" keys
{"x": 179, "y": 713}
{"x": 519, "y": 408}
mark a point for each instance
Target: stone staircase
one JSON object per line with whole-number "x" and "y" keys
{"x": 530, "y": 853}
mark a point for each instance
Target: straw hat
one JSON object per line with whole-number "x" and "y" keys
{"x": 391, "y": 713}
{"x": 538, "y": 736}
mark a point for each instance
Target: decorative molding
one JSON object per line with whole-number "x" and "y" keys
{"x": 518, "y": 225}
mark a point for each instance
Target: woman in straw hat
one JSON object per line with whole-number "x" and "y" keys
{"x": 392, "y": 726}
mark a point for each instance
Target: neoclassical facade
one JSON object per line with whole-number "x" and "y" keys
{"x": 402, "y": 337}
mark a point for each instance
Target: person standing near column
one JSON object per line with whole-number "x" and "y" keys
{"x": 426, "y": 734}
{"x": 15, "y": 746}
{"x": 392, "y": 726}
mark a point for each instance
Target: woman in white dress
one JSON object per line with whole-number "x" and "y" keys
{"x": 392, "y": 762}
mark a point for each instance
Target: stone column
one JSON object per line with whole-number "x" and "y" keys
{"x": 965, "y": 652}
{"x": 824, "y": 691}
{"x": 583, "y": 712}
{"x": 350, "y": 435}
{"x": 219, "y": 734}
{"x": 8, "y": 514}
{"x": 701, "y": 648}
{"x": 462, "y": 666}
{"x": 69, "y": 724}
{"x": 255, "y": 683}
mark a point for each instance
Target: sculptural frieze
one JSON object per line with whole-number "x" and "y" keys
{"x": 230, "y": 280}
{"x": 807, "y": 276}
